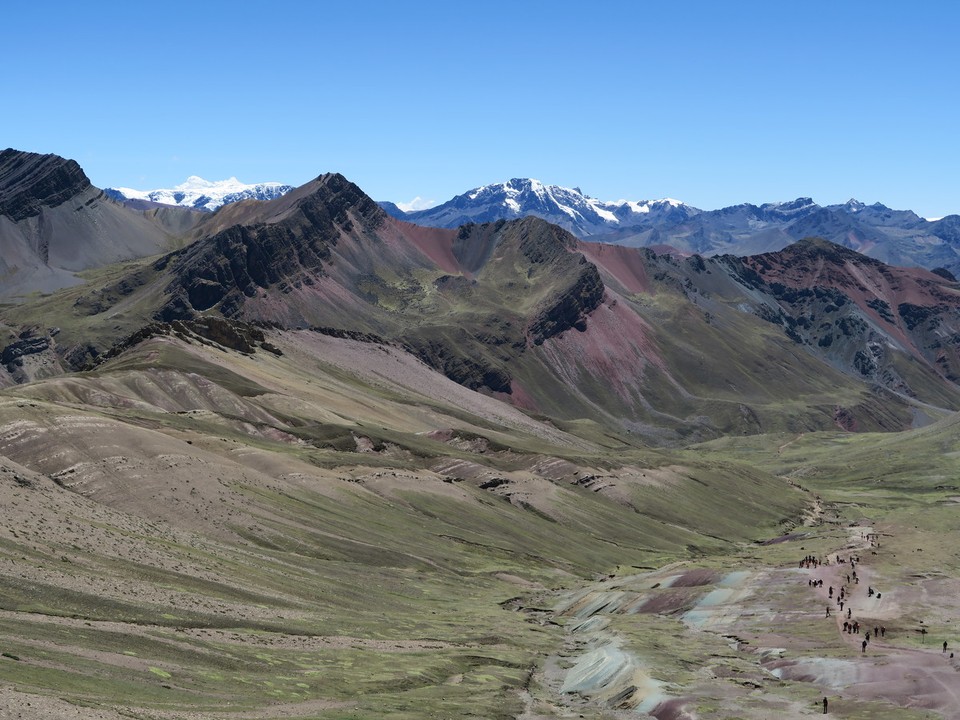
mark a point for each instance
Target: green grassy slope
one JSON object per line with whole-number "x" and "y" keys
{"x": 221, "y": 545}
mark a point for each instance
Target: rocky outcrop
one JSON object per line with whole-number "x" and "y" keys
{"x": 27, "y": 344}
{"x": 29, "y": 182}
{"x": 240, "y": 336}
{"x": 570, "y": 309}
{"x": 457, "y": 365}
{"x": 858, "y": 313}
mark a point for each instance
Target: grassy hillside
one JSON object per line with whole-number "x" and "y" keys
{"x": 317, "y": 534}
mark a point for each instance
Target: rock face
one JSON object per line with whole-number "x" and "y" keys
{"x": 30, "y": 182}
{"x": 239, "y": 336}
{"x": 31, "y": 356}
{"x": 860, "y": 313}
{"x": 244, "y": 259}
{"x": 12, "y": 354}
{"x": 571, "y": 308}
{"x": 54, "y": 223}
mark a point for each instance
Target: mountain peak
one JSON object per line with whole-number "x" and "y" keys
{"x": 30, "y": 181}
{"x": 810, "y": 247}
{"x": 570, "y": 208}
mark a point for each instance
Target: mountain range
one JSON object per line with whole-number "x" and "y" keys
{"x": 300, "y": 458}
{"x": 568, "y": 208}
{"x": 649, "y": 344}
{"x": 898, "y": 237}
{"x": 199, "y": 194}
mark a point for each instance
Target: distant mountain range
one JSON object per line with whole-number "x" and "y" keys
{"x": 569, "y": 208}
{"x": 898, "y": 237}
{"x": 199, "y": 194}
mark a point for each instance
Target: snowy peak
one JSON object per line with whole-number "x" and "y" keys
{"x": 200, "y": 194}
{"x": 569, "y": 208}
{"x": 785, "y": 211}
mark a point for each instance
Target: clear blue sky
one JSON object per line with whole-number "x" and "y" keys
{"x": 713, "y": 103}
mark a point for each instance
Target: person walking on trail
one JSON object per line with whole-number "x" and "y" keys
{"x": 863, "y": 646}
{"x": 944, "y": 645}
{"x": 824, "y": 706}
{"x": 828, "y": 611}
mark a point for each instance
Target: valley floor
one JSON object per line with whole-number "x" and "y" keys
{"x": 743, "y": 636}
{"x": 751, "y": 636}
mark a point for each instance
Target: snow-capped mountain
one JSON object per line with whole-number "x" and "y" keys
{"x": 200, "y": 194}
{"x": 567, "y": 207}
{"x": 897, "y": 237}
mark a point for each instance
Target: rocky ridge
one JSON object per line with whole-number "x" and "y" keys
{"x": 30, "y": 182}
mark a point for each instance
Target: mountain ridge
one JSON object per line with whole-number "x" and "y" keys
{"x": 522, "y": 310}
{"x": 525, "y": 311}
{"x": 899, "y": 237}
{"x": 54, "y": 223}
{"x": 199, "y": 194}
{"x": 567, "y": 207}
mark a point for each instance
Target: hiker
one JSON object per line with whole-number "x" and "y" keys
{"x": 849, "y": 610}
{"x": 883, "y": 631}
{"x": 824, "y": 706}
{"x": 845, "y": 624}
{"x": 830, "y": 592}
{"x": 841, "y": 606}
{"x": 876, "y": 633}
{"x": 944, "y": 645}
{"x": 828, "y": 611}
{"x": 863, "y": 646}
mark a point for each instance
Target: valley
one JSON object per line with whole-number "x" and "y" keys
{"x": 297, "y": 458}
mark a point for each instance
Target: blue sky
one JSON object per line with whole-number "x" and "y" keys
{"x": 712, "y": 103}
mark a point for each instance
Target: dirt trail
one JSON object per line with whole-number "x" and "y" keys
{"x": 789, "y": 443}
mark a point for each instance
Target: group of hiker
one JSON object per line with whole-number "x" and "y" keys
{"x": 841, "y": 597}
